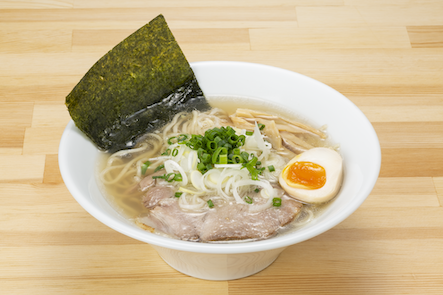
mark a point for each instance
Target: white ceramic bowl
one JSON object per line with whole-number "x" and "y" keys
{"x": 305, "y": 97}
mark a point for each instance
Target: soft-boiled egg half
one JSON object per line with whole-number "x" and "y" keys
{"x": 314, "y": 176}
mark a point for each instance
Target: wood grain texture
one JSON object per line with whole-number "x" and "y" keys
{"x": 385, "y": 56}
{"x": 426, "y": 36}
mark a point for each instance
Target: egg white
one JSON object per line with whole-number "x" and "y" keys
{"x": 331, "y": 161}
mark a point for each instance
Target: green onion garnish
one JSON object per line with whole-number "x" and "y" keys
{"x": 170, "y": 177}
{"x": 249, "y": 133}
{"x": 145, "y": 166}
{"x": 178, "y": 194}
{"x": 261, "y": 126}
{"x": 182, "y": 138}
{"x": 248, "y": 200}
{"x": 251, "y": 166}
{"x": 216, "y": 146}
{"x": 223, "y": 159}
{"x": 257, "y": 190}
{"x": 276, "y": 202}
{"x": 159, "y": 167}
{"x": 170, "y": 140}
{"x": 210, "y": 204}
{"x": 271, "y": 168}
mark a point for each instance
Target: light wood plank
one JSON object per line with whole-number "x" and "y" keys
{"x": 409, "y": 134}
{"x": 417, "y": 14}
{"x": 50, "y": 115}
{"x": 256, "y": 13}
{"x": 18, "y": 41}
{"x": 11, "y": 150}
{"x": 438, "y": 182}
{"x": 49, "y": 196}
{"x": 52, "y": 171}
{"x": 73, "y": 219}
{"x": 31, "y": 88}
{"x": 403, "y": 192}
{"x": 12, "y": 138}
{"x": 426, "y": 36}
{"x": 27, "y": 4}
{"x": 208, "y": 3}
{"x": 392, "y": 37}
{"x": 381, "y": 256}
{"x": 22, "y": 168}
{"x": 398, "y": 99}
{"x": 329, "y": 16}
{"x": 411, "y": 162}
{"x": 42, "y": 140}
{"x": 428, "y": 113}
{"x": 405, "y": 218}
{"x": 340, "y": 284}
{"x": 18, "y": 115}
{"x": 137, "y": 285}
{"x": 293, "y": 38}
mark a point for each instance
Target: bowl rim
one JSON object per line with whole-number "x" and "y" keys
{"x": 230, "y": 248}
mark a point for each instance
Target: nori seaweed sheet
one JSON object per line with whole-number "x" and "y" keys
{"x": 135, "y": 88}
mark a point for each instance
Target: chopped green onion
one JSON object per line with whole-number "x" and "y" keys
{"x": 175, "y": 152}
{"x": 245, "y": 156}
{"x": 206, "y": 158}
{"x": 241, "y": 139}
{"x": 271, "y": 168}
{"x": 145, "y": 166}
{"x": 170, "y": 140}
{"x": 276, "y": 202}
{"x": 216, "y": 146}
{"x": 249, "y": 133}
{"x": 257, "y": 190}
{"x": 178, "y": 177}
{"x": 170, "y": 177}
{"x": 211, "y": 145}
{"x": 233, "y": 139}
{"x": 178, "y": 194}
{"x": 237, "y": 159}
{"x": 201, "y": 167}
{"x": 182, "y": 138}
{"x": 159, "y": 167}
{"x": 210, "y": 204}
{"x": 261, "y": 126}
{"x": 252, "y": 168}
{"x": 218, "y": 151}
{"x": 223, "y": 159}
{"x": 166, "y": 153}
{"x": 248, "y": 200}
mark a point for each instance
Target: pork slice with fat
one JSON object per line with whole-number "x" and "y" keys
{"x": 155, "y": 194}
{"x": 236, "y": 222}
{"x": 167, "y": 217}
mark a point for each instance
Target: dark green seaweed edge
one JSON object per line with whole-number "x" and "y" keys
{"x": 177, "y": 91}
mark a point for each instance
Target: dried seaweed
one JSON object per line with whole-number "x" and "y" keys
{"x": 135, "y": 88}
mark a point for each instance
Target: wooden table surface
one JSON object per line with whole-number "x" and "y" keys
{"x": 385, "y": 56}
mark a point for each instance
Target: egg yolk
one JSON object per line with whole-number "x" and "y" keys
{"x": 308, "y": 174}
